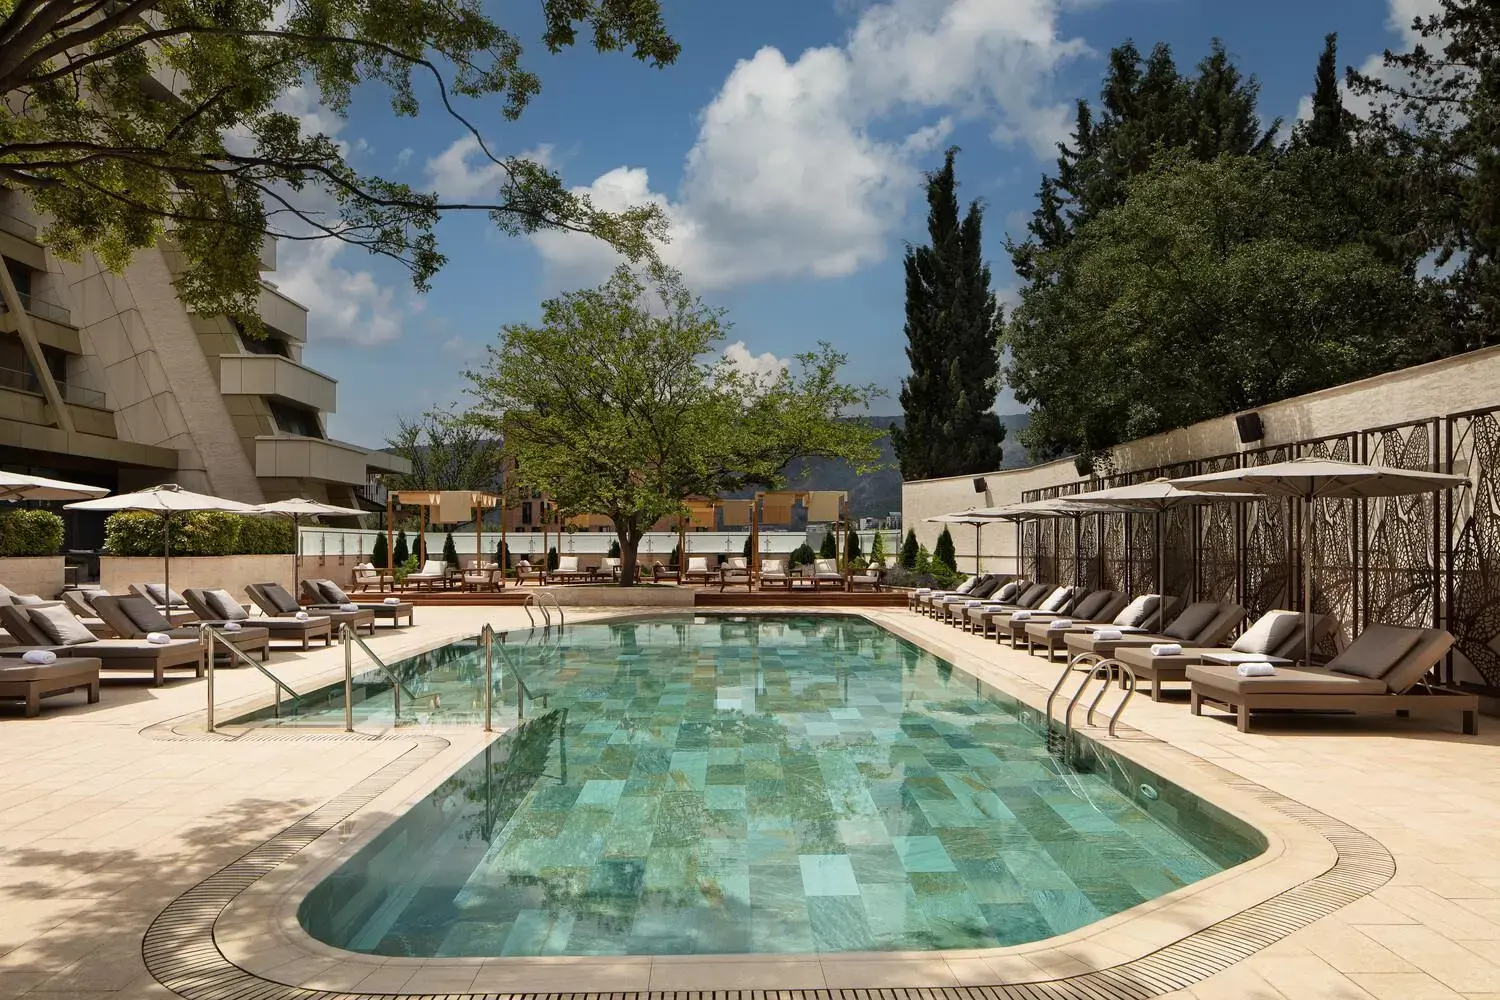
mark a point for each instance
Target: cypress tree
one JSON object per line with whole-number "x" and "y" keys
{"x": 402, "y": 552}
{"x": 552, "y": 559}
{"x": 943, "y": 551}
{"x": 854, "y": 549}
{"x": 952, "y": 322}
{"x": 747, "y": 547}
{"x": 878, "y": 555}
{"x": 909, "y": 550}
{"x": 1329, "y": 126}
{"x": 1223, "y": 103}
{"x": 380, "y": 555}
{"x": 450, "y": 551}
{"x": 830, "y": 547}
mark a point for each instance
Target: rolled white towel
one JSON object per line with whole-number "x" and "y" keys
{"x": 39, "y": 657}
{"x": 392, "y": 600}
{"x": 301, "y": 616}
{"x": 1166, "y": 648}
{"x": 232, "y": 626}
{"x": 1061, "y": 623}
{"x": 1109, "y": 635}
{"x": 348, "y": 607}
{"x": 924, "y": 590}
{"x": 1255, "y": 668}
{"x": 1020, "y": 616}
{"x": 158, "y": 638}
{"x": 973, "y": 604}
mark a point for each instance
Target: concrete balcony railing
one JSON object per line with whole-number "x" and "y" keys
{"x": 43, "y": 308}
{"x": 74, "y": 395}
{"x": 17, "y": 227}
{"x": 273, "y": 375}
{"x": 283, "y": 314}
{"x": 315, "y": 458}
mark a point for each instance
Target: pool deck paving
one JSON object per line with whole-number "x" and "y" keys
{"x": 111, "y": 812}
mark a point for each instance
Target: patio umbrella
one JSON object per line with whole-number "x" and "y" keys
{"x": 970, "y": 516}
{"x": 295, "y": 510}
{"x": 164, "y": 501}
{"x": 14, "y": 486}
{"x": 1156, "y": 497}
{"x": 1034, "y": 510}
{"x": 1314, "y": 479}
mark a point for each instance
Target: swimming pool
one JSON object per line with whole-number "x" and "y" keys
{"x": 767, "y": 784}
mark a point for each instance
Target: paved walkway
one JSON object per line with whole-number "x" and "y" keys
{"x": 104, "y": 819}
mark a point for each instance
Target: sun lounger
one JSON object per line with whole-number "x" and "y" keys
{"x": 986, "y": 589}
{"x": 1276, "y": 633}
{"x": 276, "y": 601}
{"x": 132, "y": 617}
{"x": 921, "y": 599}
{"x": 434, "y": 573}
{"x": 698, "y": 571}
{"x": 482, "y": 576}
{"x": 220, "y": 605}
{"x": 321, "y": 595}
{"x": 525, "y": 571}
{"x": 29, "y": 683}
{"x": 53, "y": 627}
{"x": 825, "y": 573}
{"x": 1047, "y": 632}
{"x": 1205, "y": 624}
{"x": 568, "y": 571}
{"x": 367, "y": 577}
{"x": 983, "y": 616}
{"x": 871, "y": 576}
{"x": 1377, "y": 674}
{"x": 773, "y": 574}
{"x": 1040, "y": 599}
{"x": 735, "y": 572}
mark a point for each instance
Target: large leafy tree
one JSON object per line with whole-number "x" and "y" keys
{"x": 446, "y": 453}
{"x": 127, "y": 120}
{"x": 620, "y": 403}
{"x": 952, "y": 320}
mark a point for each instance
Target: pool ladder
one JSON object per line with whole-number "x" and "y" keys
{"x": 1097, "y": 668}
{"x": 535, "y": 598}
{"x": 211, "y": 637}
{"x": 352, "y": 639}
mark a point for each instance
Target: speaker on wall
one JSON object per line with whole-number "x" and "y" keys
{"x": 1249, "y": 426}
{"x": 979, "y": 484}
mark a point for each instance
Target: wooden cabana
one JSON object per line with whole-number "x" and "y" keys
{"x": 776, "y": 508}
{"x": 451, "y": 507}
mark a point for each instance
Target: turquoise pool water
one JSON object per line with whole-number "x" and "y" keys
{"x": 768, "y": 784}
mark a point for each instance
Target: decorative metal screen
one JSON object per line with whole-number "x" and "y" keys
{"x": 1402, "y": 580}
{"x": 1219, "y": 540}
{"x": 1335, "y": 535}
{"x": 1267, "y": 547}
{"x": 1474, "y": 542}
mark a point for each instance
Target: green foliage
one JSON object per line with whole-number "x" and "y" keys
{"x": 26, "y": 531}
{"x": 445, "y": 453}
{"x": 922, "y": 564}
{"x": 909, "y": 549}
{"x": 853, "y": 548}
{"x": 403, "y": 551}
{"x": 952, "y": 326}
{"x": 502, "y": 555}
{"x": 748, "y": 549}
{"x": 406, "y": 568}
{"x": 830, "y": 547}
{"x": 676, "y": 558}
{"x": 115, "y": 165}
{"x": 614, "y": 549}
{"x": 139, "y": 533}
{"x": 450, "y": 552}
{"x": 878, "y": 555}
{"x": 380, "y": 555}
{"x": 200, "y": 533}
{"x": 665, "y": 417}
{"x": 275, "y": 536}
{"x": 211, "y": 533}
{"x": 942, "y": 552}
{"x": 802, "y": 555}
{"x": 552, "y": 558}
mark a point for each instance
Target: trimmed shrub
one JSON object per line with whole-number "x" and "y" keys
{"x": 139, "y": 533}
{"x": 878, "y": 554}
{"x": 802, "y": 555}
{"x": 275, "y": 536}
{"x": 30, "y": 532}
{"x": 211, "y": 533}
{"x": 552, "y": 559}
{"x": 380, "y": 555}
{"x": 502, "y": 555}
{"x": 450, "y": 553}
{"x": 614, "y": 549}
{"x": 403, "y": 551}
{"x": 747, "y": 548}
{"x": 676, "y": 556}
{"x": 909, "y": 549}
{"x": 829, "y": 548}
{"x": 943, "y": 552}
{"x": 854, "y": 549}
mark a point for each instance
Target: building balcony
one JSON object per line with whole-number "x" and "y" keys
{"x": 288, "y": 457}
{"x": 273, "y": 375}
{"x": 21, "y": 400}
{"x": 283, "y": 313}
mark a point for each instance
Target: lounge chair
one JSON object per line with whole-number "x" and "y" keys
{"x": 871, "y": 576}
{"x": 482, "y": 576}
{"x": 922, "y": 599}
{"x": 29, "y": 683}
{"x": 735, "y": 572}
{"x": 982, "y": 617}
{"x": 81, "y": 603}
{"x": 133, "y": 617}
{"x": 434, "y": 573}
{"x": 54, "y": 627}
{"x": 367, "y": 578}
{"x": 277, "y": 602}
{"x": 1376, "y": 674}
{"x": 1006, "y": 595}
{"x": 825, "y": 573}
{"x": 610, "y": 566}
{"x": 319, "y": 595}
{"x": 1047, "y": 632}
{"x": 525, "y": 571}
{"x": 1204, "y": 624}
{"x": 220, "y": 605}
{"x": 773, "y": 574}
{"x": 1276, "y": 634}
{"x": 950, "y": 608}
{"x": 568, "y": 571}
{"x": 698, "y": 571}
{"x": 1039, "y": 599}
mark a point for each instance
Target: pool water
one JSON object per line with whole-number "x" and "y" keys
{"x": 777, "y": 784}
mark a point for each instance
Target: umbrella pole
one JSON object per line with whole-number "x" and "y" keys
{"x": 166, "y": 562}
{"x": 977, "y": 528}
{"x": 296, "y": 553}
{"x": 1161, "y": 559}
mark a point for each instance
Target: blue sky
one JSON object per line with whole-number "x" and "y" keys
{"x": 787, "y": 146}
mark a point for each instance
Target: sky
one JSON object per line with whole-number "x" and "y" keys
{"x": 787, "y": 146}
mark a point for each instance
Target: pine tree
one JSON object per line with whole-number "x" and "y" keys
{"x": 450, "y": 551}
{"x": 502, "y": 555}
{"x": 614, "y": 549}
{"x": 878, "y": 555}
{"x": 909, "y": 550}
{"x": 552, "y": 559}
{"x": 952, "y": 321}
{"x": 853, "y": 549}
{"x": 830, "y": 547}
{"x": 380, "y": 555}
{"x": 1329, "y": 126}
{"x": 747, "y": 547}
{"x": 402, "y": 552}
{"x": 943, "y": 551}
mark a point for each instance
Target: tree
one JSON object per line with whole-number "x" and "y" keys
{"x": 132, "y": 119}
{"x": 878, "y": 555}
{"x": 614, "y": 549}
{"x": 380, "y": 555}
{"x": 402, "y": 553}
{"x": 552, "y": 559}
{"x": 450, "y": 552}
{"x": 748, "y": 549}
{"x": 802, "y": 555}
{"x": 943, "y": 551}
{"x": 853, "y": 549}
{"x": 445, "y": 453}
{"x": 1329, "y": 126}
{"x": 909, "y": 550}
{"x": 674, "y": 560}
{"x": 952, "y": 321}
{"x": 830, "y": 547}
{"x": 502, "y": 556}
{"x": 651, "y": 414}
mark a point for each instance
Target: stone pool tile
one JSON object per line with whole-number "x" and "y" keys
{"x": 1239, "y": 982}
{"x": 1350, "y": 950}
{"x": 1404, "y": 986}
{"x": 922, "y": 854}
{"x": 1445, "y": 960}
{"x": 779, "y": 974}
{"x": 827, "y": 875}
{"x": 874, "y": 974}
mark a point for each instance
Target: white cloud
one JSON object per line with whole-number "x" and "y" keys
{"x": 788, "y": 176}
{"x": 1400, "y": 17}
{"x": 347, "y": 305}
{"x": 762, "y": 366}
{"x": 463, "y": 173}
{"x": 403, "y": 158}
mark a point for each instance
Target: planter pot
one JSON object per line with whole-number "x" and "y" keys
{"x": 231, "y": 573}
{"x": 40, "y": 575}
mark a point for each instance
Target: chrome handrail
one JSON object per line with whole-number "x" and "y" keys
{"x": 207, "y": 636}
{"x": 352, "y": 639}
{"x": 487, "y": 636}
{"x": 535, "y": 597}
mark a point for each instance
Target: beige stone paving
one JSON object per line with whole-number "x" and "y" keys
{"x": 101, "y": 826}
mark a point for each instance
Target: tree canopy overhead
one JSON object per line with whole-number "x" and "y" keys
{"x": 446, "y": 453}
{"x": 620, "y": 403}
{"x": 125, "y": 119}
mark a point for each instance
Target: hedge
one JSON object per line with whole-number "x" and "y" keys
{"x": 25, "y": 531}
{"x": 200, "y": 533}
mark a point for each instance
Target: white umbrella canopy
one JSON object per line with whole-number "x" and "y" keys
{"x": 1313, "y": 479}
{"x": 164, "y": 501}
{"x": 295, "y": 510}
{"x": 14, "y": 486}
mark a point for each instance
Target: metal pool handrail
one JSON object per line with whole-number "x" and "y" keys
{"x": 535, "y": 598}
{"x": 208, "y": 636}
{"x": 1098, "y": 666}
{"x": 347, "y": 633}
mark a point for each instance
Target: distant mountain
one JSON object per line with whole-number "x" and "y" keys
{"x": 877, "y": 494}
